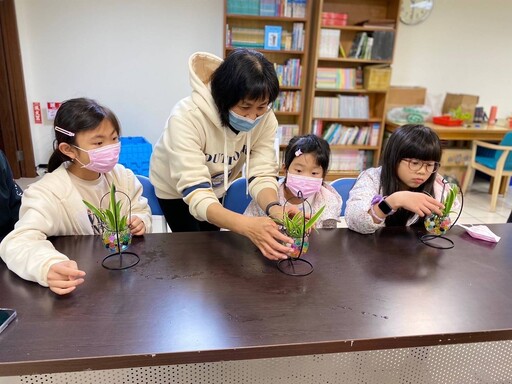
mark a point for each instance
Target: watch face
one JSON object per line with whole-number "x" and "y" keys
{"x": 415, "y": 11}
{"x": 385, "y": 208}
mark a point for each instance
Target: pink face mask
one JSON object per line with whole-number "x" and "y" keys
{"x": 305, "y": 184}
{"x": 481, "y": 232}
{"x": 103, "y": 159}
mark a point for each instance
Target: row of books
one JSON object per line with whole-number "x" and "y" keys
{"x": 336, "y": 78}
{"x": 338, "y": 134}
{"x": 329, "y": 43}
{"x": 290, "y": 73}
{"x": 376, "y": 45}
{"x": 285, "y": 8}
{"x": 351, "y": 160}
{"x": 342, "y": 106}
{"x": 288, "y": 101}
{"x": 242, "y": 37}
{"x": 286, "y": 131}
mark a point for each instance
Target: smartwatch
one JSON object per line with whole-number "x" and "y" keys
{"x": 383, "y": 205}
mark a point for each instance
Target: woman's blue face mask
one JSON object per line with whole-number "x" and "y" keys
{"x": 243, "y": 124}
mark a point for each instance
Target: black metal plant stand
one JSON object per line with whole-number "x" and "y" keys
{"x": 121, "y": 259}
{"x": 295, "y": 266}
{"x": 435, "y": 241}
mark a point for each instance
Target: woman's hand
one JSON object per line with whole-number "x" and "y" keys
{"x": 265, "y": 234}
{"x": 64, "y": 277}
{"x": 136, "y": 226}
{"x": 417, "y": 202}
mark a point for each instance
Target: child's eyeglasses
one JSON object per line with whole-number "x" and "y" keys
{"x": 416, "y": 165}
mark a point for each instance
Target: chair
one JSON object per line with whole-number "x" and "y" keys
{"x": 343, "y": 186}
{"x": 495, "y": 162}
{"x": 235, "y": 198}
{"x": 148, "y": 191}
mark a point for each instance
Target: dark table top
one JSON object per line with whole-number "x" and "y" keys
{"x": 199, "y": 297}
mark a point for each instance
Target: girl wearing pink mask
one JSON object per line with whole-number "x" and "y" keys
{"x": 306, "y": 160}
{"x": 83, "y": 166}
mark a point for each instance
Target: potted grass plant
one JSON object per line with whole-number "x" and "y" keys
{"x": 440, "y": 224}
{"x": 299, "y": 228}
{"x": 116, "y": 233}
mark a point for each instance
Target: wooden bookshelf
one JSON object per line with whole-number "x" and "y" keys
{"x": 357, "y": 11}
{"x": 232, "y": 21}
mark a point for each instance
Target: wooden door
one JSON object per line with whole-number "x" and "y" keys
{"x": 15, "y": 136}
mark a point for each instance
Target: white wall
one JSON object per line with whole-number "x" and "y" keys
{"x": 463, "y": 47}
{"x": 131, "y": 55}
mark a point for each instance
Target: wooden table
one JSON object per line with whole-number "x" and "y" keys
{"x": 473, "y": 132}
{"x": 209, "y": 297}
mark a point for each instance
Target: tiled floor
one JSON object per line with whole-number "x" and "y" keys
{"x": 475, "y": 210}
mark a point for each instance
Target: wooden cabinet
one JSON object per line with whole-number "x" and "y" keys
{"x": 357, "y": 79}
{"x": 290, "y": 58}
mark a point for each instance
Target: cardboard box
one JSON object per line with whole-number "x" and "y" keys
{"x": 467, "y": 103}
{"x": 456, "y": 157}
{"x": 403, "y": 96}
{"x": 457, "y": 173}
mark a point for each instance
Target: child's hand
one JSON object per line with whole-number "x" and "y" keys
{"x": 417, "y": 202}
{"x": 136, "y": 226}
{"x": 64, "y": 277}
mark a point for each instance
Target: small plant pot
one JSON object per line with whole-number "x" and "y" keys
{"x": 111, "y": 243}
{"x": 296, "y": 246}
{"x": 438, "y": 225}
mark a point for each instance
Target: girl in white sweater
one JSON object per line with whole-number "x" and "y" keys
{"x": 82, "y": 167}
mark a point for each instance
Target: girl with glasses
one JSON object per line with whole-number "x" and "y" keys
{"x": 405, "y": 188}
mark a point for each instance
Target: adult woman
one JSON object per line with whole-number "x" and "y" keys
{"x": 225, "y": 124}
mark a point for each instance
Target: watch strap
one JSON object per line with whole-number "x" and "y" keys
{"x": 270, "y": 205}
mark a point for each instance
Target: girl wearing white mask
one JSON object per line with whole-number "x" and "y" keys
{"x": 306, "y": 161}
{"x": 83, "y": 166}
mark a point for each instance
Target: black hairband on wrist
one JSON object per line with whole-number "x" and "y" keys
{"x": 270, "y": 205}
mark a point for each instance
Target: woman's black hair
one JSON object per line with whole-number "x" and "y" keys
{"x": 409, "y": 141}
{"x": 308, "y": 144}
{"x": 75, "y": 116}
{"x": 244, "y": 75}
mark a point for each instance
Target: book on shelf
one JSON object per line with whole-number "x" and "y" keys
{"x": 336, "y": 78}
{"x": 243, "y": 7}
{"x": 290, "y": 73}
{"x": 362, "y": 45}
{"x": 286, "y": 131}
{"x": 353, "y": 107}
{"x": 287, "y": 101}
{"x": 329, "y": 43}
{"x": 247, "y": 37}
{"x": 351, "y": 160}
{"x": 268, "y": 8}
{"x": 383, "y": 42}
{"x": 273, "y": 35}
{"x": 299, "y": 8}
{"x": 374, "y": 135}
{"x": 326, "y": 107}
{"x": 298, "y": 37}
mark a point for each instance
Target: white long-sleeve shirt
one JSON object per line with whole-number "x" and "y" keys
{"x": 53, "y": 206}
